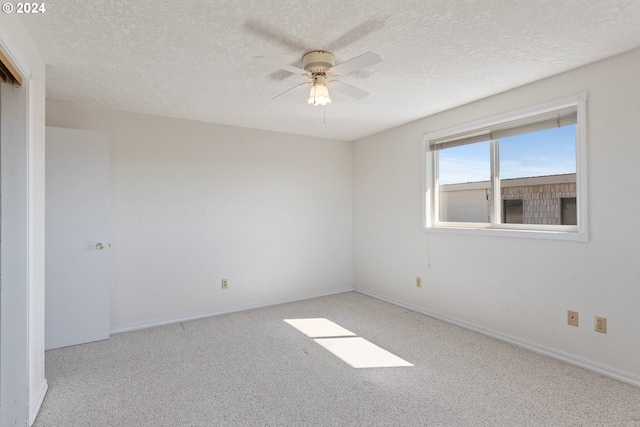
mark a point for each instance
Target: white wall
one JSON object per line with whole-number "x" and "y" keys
{"x": 192, "y": 203}
{"x": 23, "y": 193}
{"x": 516, "y": 288}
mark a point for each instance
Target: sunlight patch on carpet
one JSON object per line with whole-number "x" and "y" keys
{"x": 344, "y": 344}
{"x": 360, "y": 353}
{"x": 319, "y": 327}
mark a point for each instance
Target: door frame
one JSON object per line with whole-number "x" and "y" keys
{"x": 21, "y": 336}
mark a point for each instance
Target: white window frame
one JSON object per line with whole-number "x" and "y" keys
{"x": 430, "y": 216}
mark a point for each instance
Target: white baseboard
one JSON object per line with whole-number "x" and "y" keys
{"x": 39, "y": 398}
{"x": 236, "y": 309}
{"x": 550, "y": 352}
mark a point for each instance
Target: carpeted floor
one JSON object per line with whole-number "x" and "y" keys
{"x": 254, "y": 369}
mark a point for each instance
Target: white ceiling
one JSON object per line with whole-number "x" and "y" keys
{"x": 193, "y": 59}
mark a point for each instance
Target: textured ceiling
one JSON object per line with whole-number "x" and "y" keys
{"x": 193, "y": 59}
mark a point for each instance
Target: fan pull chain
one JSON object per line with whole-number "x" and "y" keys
{"x": 324, "y": 119}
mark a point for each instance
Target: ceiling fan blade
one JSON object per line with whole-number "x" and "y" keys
{"x": 290, "y": 89}
{"x": 349, "y": 90}
{"x": 353, "y": 64}
{"x": 277, "y": 64}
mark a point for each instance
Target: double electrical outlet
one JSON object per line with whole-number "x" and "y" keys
{"x": 599, "y": 324}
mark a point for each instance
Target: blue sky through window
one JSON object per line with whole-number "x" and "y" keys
{"x": 546, "y": 152}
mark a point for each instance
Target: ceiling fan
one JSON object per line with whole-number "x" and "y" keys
{"x": 320, "y": 68}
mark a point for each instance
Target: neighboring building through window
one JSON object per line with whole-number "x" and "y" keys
{"x": 536, "y": 200}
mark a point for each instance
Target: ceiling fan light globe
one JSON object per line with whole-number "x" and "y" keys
{"x": 319, "y": 95}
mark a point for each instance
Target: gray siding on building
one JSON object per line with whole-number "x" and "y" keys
{"x": 541, "y": 203}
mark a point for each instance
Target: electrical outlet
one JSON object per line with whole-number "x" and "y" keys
{"x": 572, "y": 318}
{"x": 225, "y": 283}
{"x": 419, "y": 282}
{"x": 601, "y": 324}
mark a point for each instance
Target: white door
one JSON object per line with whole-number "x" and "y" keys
{"x": 77, "y": 241}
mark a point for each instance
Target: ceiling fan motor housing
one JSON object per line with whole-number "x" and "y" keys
{"x": 318, "y": 61}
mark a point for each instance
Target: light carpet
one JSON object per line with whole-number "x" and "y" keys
{"x": 253, "y": 369}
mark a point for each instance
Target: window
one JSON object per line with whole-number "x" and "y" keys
{"x": 568, "y": 211}
{"x": 512, "y": 211}
{"x": 520, "y": 174}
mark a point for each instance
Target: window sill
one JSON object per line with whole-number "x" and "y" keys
{"x": 575, "y": 236}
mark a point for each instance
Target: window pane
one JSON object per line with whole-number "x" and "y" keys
{"x": 512, "y": 212}
{"x": 540, "y": 169}
{"x": 464, "y": 175}
{"x": 569, "y": 212}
